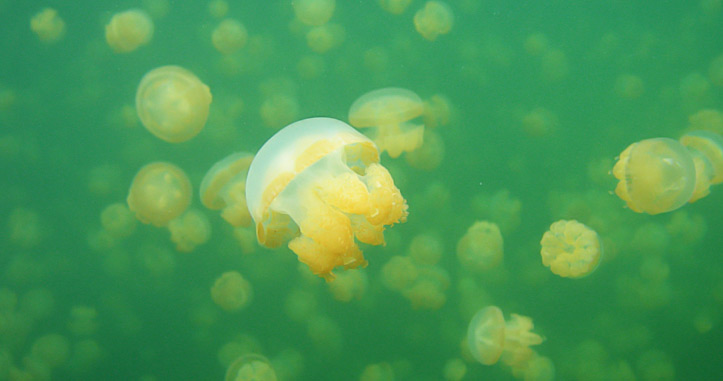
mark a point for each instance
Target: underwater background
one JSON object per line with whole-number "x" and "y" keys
{"x": 534, "y": 101}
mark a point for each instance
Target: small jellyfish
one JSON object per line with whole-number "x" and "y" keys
{"x": 655, "y": 176}
{"x": 325, "y": 37}
{"x": 251, "y": 367}
{"x": 224, "y": 187}
{"x": 118, "y": 220}
{"x": 349, "y": 285}
{"x": 490, "y": 338}
{"x": 390, "y": 112}
{"x": 189, "y": 230}
{"x": 434, "y": 19}
{"x": 48, "y": 26}
{"x": 481, "y": 248}
{"x": 173, "y": 103}
{"x": 399, "y": 273}
{"x": 313, "y": 12}
{"x": 159, "y": 193}
{"x": 129, "y": 30}
{"x": 570, "y": 249}
{"x": 229, "y": 36}
{"x": 231, "y": 291}
{"x": 429, "y": 155}
{"x": 395, "y": 7}
{"x": 319, "y": 184}
{"x": 710, "y": 145}
{"x": 629, "y": 86}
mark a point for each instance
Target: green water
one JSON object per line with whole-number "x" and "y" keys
{"x": 71, "y": 143}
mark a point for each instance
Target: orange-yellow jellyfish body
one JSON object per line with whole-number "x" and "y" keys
{"x": 395, "y": 7}
{"x": 434, "y": 19}
{"x": 710, "y": 145}
{"x": 390, "y": 111}
{"x": 250, "y": 367}
{"x": 129, "y": 30}
{"x": 47, "y": 25}
{"x": 490, "y": 338}
{"x": 481, "y": 248}
{"x": 224, "y": 187}
{"x": 313, "y": 12}
{"x": 570, "y": 249}
{"x": 173, "y": 103}
{"x": 655, "y": 176}
{"x": 229, "y": 36}
{"x": 159, "y": 193}
{"x": 231, "y": 291}
{"x": 189, "y": 230}
{"x": 318, "y": 182}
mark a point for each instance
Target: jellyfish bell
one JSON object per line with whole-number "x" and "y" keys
{"x": 434, "y": 19}
{"x": 391, "y": 113}
{"x": 173, "y": 103}
{"x": 159, "y": 193}
{"x": 318, "y": 184}
{"x": 486, "y": 335}
{"x": 571, "y": 249}
{"x": 655, "y": 176}
{"x": 129, "y": 30}
{"x": 224, "y": 187}
{"x": 710, "y": 145}
{"x": 250, "y": 366}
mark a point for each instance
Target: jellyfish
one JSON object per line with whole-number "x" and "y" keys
{"x": 390, "y": 111}
{"x": 655, "y": 176}
{"x": 189, "y": 230}
{"x": 323, "y": 38}
{"x": 490, "y": 338}
{"x": 429, "y": 155}
{"x": 710, "y": 145}
{"x": 399, "y": 273}
{"x": 231, "y": 291}
{"x": 229, "y": 36}
{"x": 348, "y": 286}
{"x": 129, "y": 30}
{"x": 481, "y": 248}
{"x": 173, "y": 103}
{"x": 251, "y": 367}
{"x": 434, "y": 19}
{"x": 118, "y": 220}
{"x": 313, "y": 12}
{"x": 159, "y": 193}
{"x": 395, "y": 7}
{"x": 224, "y": 187}
{"x": 48, "y": 26}
{"x": 570, "y": 249}
{"x": 319, "y": 184}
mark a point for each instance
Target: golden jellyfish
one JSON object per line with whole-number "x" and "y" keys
{"x": 490, "y": 337}
{"x": 481, "y": 248}
{"x": 229, "y": 36}
{"x": 395, "y": 7}
{"x": 173, "y": 103}
{"x": 224, "y": 187}
{"x": 118, "y": 220}
{"x": 189, "y": 230}
{"x": 159, "y": 193}
{"x": 349, "y": 285}
{"x": 250, "y": 367}
{"x": 231, "y": 291}
{"x": 434, "y": 19}
{"x": 129, "y": 30}
{"x": 218, "y": 8}
{"x": 570, "y": 249}
{"x": 399, "y": 273}
{"x": 319, "y": 184}
{"x": 429, "y": 155}
{"x": 325, "y": 37}
{"x": 279, "y": 109}
{"x": 47, "y": 25}
{"x": 391, "y": 113}
{"x": 710, "y": 145}
{"x": 655, "y": 176}
{"x": 313, "y": 12}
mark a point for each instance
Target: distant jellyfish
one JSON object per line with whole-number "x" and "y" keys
{"x": 490, "y": 338}
{"x": 710, "y": 145}
{"x": 390, "y": 113}
{"x": 173, "y": 103}
{"x": 159, "y": 193}
{"x": 118, "y": 220}
{"x": 189, "y": 230}
{"x": 231, "y": 291}
{"x": 434, "y": 19}
{"x": 129, "y": 30}
{"x": 224, "y": 187}
{"x": 655, "y": 176}
{"x": 481, "y": 248}
{"x": 395, "y": 7}
{"x": 570, "y": 249}
{"x": 250, "y": 367}
{"x": 48, "y": 25}
{"x": 318, "y": 184}
{"x": 229, "y": 36}
{"x": 313, "y": 12}
{"x": 325, "y": 37}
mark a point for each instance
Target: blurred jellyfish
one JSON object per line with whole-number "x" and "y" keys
{"x": 251, "y": 367}
{"x": 481, "y": 248}
{"x": 655, "y": 176}
{"x": 710, "y": 145}
{"x": 629, "y": 86}
{"x": 399, "y": 273}
{"x": 118, "y": 220}
{"x": 48, "y": 26}
{"x": 390, "y": 112}
{"x": 490, "y": 338}
{"x": 189, "y": 230}
{"x": 229, "y": 36}
{"x": 325, "y": 37}
{"x": 129, "y": 30}
{"x": 570, "y": 249}
{"x": 349, "y": 285}
{"x": 224, "y": 187}
{"x": 173, "y": 103}
{"x": 159, "y": 193}
{"x": 429, "y": 155}
{"x": 395, "y": 7}
{"x": 313, "y": 12}
{"x": 433, "y": 20}
{"x": 231, "y": 291}
{"x": 318, "y": 182}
